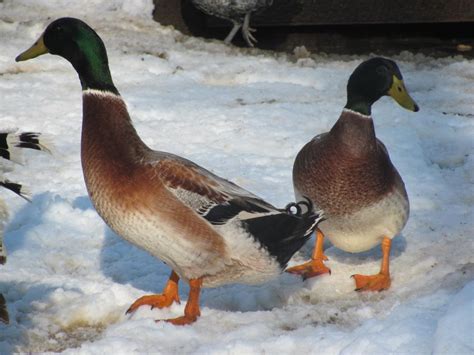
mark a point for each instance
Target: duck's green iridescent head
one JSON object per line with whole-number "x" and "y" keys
{"x": 78, "y": 43}
{"x": 373, "y": 79}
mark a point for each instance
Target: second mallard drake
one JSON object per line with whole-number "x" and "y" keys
{"x": 208, "y": 230}
{"x": 347, "y": 172}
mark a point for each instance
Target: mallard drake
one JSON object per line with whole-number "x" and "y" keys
{"x": 347, "y": 172}
{"x": 208, "y": 230}
{"x": 236, "y": 11}
{"x": 10, "y": 145}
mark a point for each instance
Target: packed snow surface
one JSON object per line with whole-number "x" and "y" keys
{"x": 244, "y": 114}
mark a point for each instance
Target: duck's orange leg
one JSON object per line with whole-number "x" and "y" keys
{"x": 315, "y": 266}
{"x": 191, "y": 311}
{"x": 380, "y": 281}
{"x": 169, "y": 295}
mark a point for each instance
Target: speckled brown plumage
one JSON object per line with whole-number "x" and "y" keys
{"x": 161, "y": 202}
{"x": 120, "y": 183}
{"x": 345, "y": 169}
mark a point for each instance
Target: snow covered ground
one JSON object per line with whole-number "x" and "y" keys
{"x": 243, "y": 114}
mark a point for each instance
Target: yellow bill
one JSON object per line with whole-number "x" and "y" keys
{"x": 400, "y": 95}
{"x": 37, "y": 49}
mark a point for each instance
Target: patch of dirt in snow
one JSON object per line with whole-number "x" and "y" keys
{"x": 72, "y": 337}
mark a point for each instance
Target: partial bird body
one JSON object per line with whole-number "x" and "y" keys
{"x": 236, "y": 11}
{"x": 11, "y": 144}
{"x": 231, "y": 9}
{"x": 3, "y": 221}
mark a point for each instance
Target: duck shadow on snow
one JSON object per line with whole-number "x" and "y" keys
{"x": 26, "y": 219}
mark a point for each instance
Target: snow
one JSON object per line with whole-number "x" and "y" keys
{"x": 454, "y": 332}
{"x": 243, "y": 113}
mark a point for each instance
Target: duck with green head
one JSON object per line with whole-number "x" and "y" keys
{"x": 348, "y": 174}
{"x": 208, "y": 230}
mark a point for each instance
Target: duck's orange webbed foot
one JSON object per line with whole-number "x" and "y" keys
{"x": 155, "y": 301}
{"x": 189, "y": 317}
{"x": 191, "y": 311}
{"x": 312, "y": 268}
{"x": 315, "y": 266}
{"x": 377, "y": 282}
{"x": 380, "y": 281}
{"x": 166, "y": 299}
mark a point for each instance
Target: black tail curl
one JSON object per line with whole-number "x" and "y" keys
{"x": 295, "y": 208}
{"x": 284, "y": 233}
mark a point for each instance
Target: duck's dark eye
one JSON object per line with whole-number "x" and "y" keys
{"x": 399, "y": 89}
{"x": 382, "y": 71}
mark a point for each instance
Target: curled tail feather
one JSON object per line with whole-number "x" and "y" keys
{"x": 284, "y": 233}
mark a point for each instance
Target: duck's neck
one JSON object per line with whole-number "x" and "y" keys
{"x": 107, "y": 131}
{"x": 359, "y": 105}
{"x": 355, "y": 131}
{"x": 92, "y": 66}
